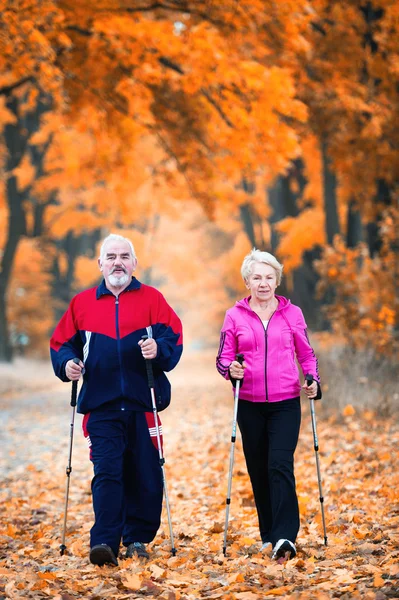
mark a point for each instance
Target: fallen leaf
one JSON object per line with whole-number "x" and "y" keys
{"x": 348, "y": 410}
{"x": 132, "y": 581}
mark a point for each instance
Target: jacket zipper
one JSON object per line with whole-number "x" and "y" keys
{"x": 265, "y": 330}
{"x": 118, "y": 342}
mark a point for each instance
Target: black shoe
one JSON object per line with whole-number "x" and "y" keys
{"x": 284, "y": 549}
{"x": 137, "y": 548}
{"x": 102, "y": 554}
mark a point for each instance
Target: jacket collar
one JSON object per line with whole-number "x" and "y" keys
{"x": 102, "y": 289}
{"x": 282, "y": 303}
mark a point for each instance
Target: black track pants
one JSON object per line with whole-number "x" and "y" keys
{"x": 269, "y": 432}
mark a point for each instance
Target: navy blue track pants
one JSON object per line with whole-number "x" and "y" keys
{"x": 269, "y": 432}
{"x": 127, "y": 486}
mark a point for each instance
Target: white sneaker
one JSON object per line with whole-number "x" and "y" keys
{"x": 282, "y": 548}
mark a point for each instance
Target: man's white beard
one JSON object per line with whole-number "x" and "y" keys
{"x": 118, "y": 281}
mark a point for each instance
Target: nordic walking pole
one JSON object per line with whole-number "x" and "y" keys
{"x": 309, "y": 381}
{"x": 150, "y": 377}
{"x": 240, "y": 359}
{"x": 69, "y": 466}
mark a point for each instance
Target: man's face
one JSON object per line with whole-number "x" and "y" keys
{"x": 117, "y": 264}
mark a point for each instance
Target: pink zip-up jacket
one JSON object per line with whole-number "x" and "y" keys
{"x": 271, "y": 373}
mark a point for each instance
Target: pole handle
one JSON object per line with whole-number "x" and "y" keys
{"x": 74, "y": 391}
{"x": 148, "y": 364}
{"x": 240, "y": 358}
{"x": 309, "y": 380}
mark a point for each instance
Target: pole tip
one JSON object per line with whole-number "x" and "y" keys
{"x": 173, "y": 551}
{"x": 224, "y": 550}
{"x": 62, "y": 549}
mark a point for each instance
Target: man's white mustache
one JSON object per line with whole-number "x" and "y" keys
{"x": 118, "y": 269}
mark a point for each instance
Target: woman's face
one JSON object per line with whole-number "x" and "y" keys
{"x": 262, "y": 282}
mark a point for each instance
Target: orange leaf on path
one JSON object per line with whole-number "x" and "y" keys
{"x": 348, "y": 411}
{"x": 378, "y": 581}
{"x": 280, "y": 591}
{"x": 157, "y": 572}
{"x": 48, "y": 575}
{"x": 236, "y": 578}
{"x": 11, "y": 530}
{"x": 132, "y": 581}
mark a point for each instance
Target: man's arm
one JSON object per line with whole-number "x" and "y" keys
{"x": 167, "y": 332}
{"x": 65, "y": 343}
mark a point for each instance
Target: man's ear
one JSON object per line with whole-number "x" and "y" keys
{"x": 99, "y": 264}
{"x": 135, "y": 261}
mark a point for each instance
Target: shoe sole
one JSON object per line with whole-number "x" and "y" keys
{"x": 102, "y": 556}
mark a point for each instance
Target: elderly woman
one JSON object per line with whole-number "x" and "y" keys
{"x": 270, "y": 332}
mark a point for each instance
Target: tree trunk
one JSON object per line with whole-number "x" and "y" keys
{"x": 5, "y": 346}
{"x": 16, "y": 137}
{"x": 63, "y": 283}
{"x": 248, "y": 222}
{"x": 283, "y": 197}
{"x": 354, "y": 233}
{"x": 15, "y": 142}
{"x": 249, "y": 216}
{"x": 330, "y": 196}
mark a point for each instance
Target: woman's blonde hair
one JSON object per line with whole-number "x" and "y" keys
{"x": 262, "y": 257}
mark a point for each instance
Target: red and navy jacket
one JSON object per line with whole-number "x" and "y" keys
{"x": 103, "y": 331}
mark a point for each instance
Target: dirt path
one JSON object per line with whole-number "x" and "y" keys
{"x": 359, "y": 465}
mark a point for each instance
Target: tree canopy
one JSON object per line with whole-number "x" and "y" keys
{"x": 279, "y": 119}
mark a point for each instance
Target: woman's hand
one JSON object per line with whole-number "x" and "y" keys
{"x": 311, "y": 390}
{"x": 236, "y": 370}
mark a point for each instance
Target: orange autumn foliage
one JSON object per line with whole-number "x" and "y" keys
{"x": 365, "y": 307}
{"x": 346, "y": 78}
{"x": 29, "y": 312}
{"x": 152, "y": 102}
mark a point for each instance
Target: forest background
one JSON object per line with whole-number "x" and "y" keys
{"x": 200, "y": 129}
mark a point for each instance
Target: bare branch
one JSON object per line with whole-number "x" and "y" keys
{"x": 80, "y": 30}
{"x": 213, "y": 102}
{"x": 166, "y": 62}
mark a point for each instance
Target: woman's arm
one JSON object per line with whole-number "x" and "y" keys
{"x": 304, "y": 351}
{"x": 227, "y": 347}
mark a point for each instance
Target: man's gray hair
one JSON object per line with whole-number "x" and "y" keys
{"x": 114, "y": 237}
{"x": 262, "y": 257}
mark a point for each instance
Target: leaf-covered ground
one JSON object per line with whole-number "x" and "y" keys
{"x": 359, "y": 459}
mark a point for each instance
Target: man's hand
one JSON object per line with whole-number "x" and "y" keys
{"x": 73, "y": 371}
{"x": 237, "y": 370}
{"x": 149, "y": 348}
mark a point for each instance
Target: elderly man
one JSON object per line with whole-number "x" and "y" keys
{"x": 103, "y": 327}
